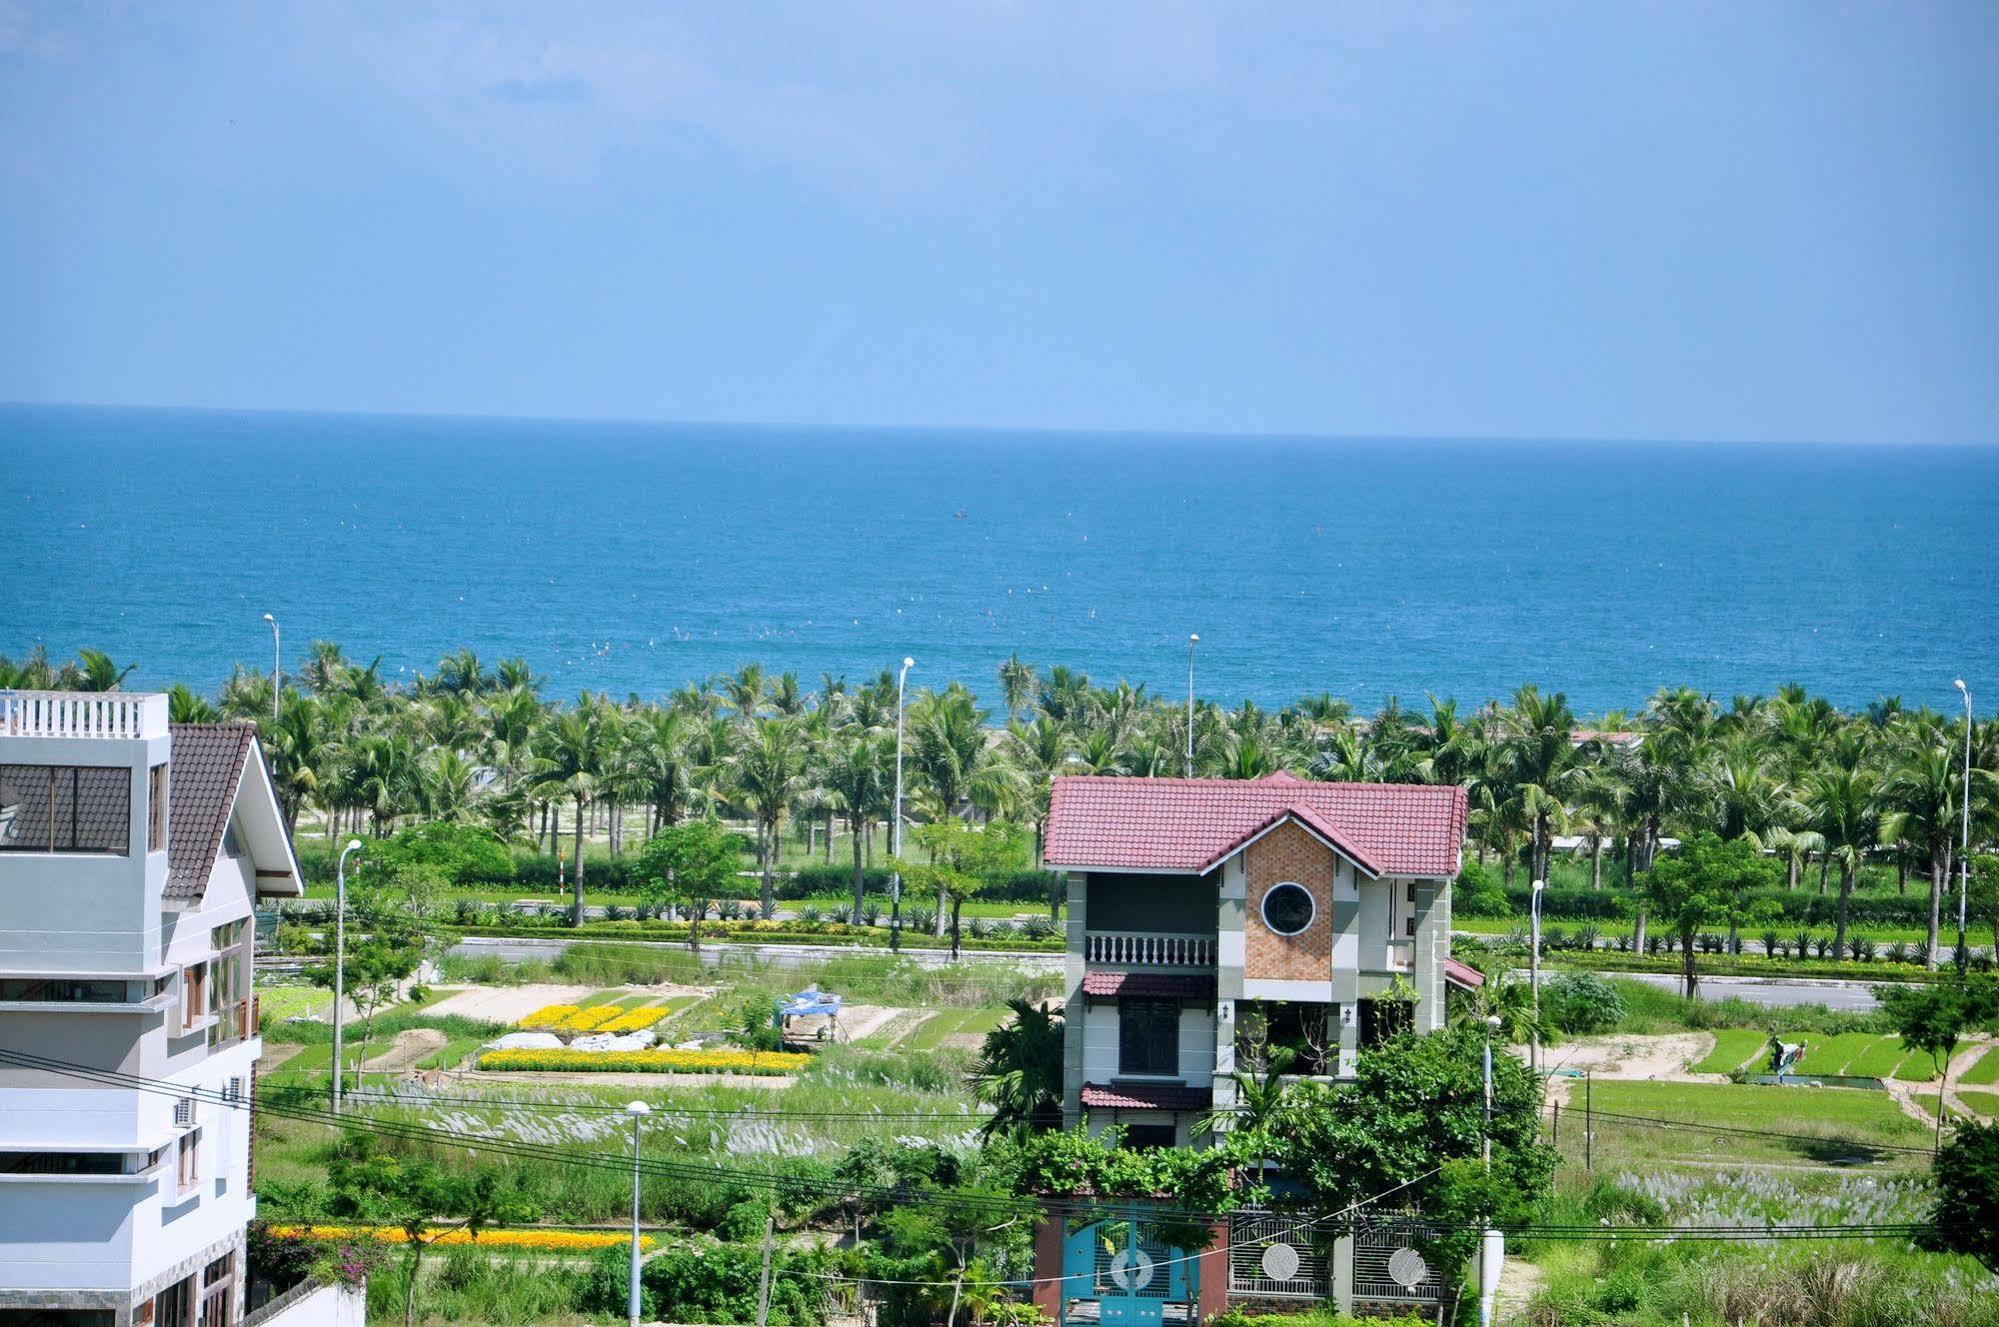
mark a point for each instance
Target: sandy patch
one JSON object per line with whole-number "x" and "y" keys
{"x": 275, "y": 1054}
{"x": 411, "y": 1045}
{"x": 1625, "y": 1056}
{"x": 864, "y": 1020}
{"x": 506, "y": 1004}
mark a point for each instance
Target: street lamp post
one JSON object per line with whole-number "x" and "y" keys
{"x": 638, "y": 1110}
{"x": 277, "y": 674}
{"x": 340, "y": 960}
{"x": 1964, "y": 845}
{"x": 1192, "y": 641}
{"x": 1534, "y": 971}
{"x": 1492, "y": 1244}
{"x": 895, "y": 826}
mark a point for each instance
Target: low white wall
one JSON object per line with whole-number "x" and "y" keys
{"x": 335, "y": 1305}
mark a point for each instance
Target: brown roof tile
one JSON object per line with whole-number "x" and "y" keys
{"x": 1146, "y": 1096}
{"x": 204, "y": 772}
{"x": 1149, "y": 985}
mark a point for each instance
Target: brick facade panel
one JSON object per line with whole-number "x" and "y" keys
{"x": 1288, "y": 853}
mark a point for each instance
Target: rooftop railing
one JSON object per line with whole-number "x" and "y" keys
{"x": 82, "y": 714}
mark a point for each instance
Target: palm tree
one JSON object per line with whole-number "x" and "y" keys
{"x": 1540, "y": 752}
{"x": 1844, "y": 813}
{"x": 568, "y": 763}
{"x": 858, "y": 774}
{"x": 1018, "y": 685}
{"x": 1019, "y": 1071}
{"x": 1922, "y": 793}
{"x": 96, "y": 672}
{"x": 768, "y": 769}
{"x": 184, "y": 706}
{"x": 385, "y": 778}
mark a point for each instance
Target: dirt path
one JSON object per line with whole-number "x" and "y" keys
{"x": 1519, "y": 1282}
{"x": 1656, "y": 1058}
{"x": 410, "y": 1046}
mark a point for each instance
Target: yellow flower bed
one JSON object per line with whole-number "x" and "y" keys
{"x": 547, "y": 1017}
{"x": 589, "y": 1020}
{"x": 652, "y": 1061}
{"x": 548, "y": 1241}
{"x": 635, "y": 1020}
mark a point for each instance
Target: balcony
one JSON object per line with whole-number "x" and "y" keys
{"x": 1401, "y": 955}
{"x": 1149, "y": 949}
{"x": 82, "y": 714}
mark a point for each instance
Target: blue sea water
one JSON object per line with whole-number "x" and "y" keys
{"x": 633, "y": 557}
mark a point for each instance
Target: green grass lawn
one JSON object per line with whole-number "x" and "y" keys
{"x": 1916, "y": 1067}
{"x": 1985, "y": 1070}
{"x": 1831, "y": 1055}
{"x": 282, "y": 1002}
{"x": 1983, "y": 1103}
{"x": 1882, "y": 1059}
{"x": 1842, "y": 1127}
{"x": 1733, "y": 1048}
{"x": 932, "y": 1032}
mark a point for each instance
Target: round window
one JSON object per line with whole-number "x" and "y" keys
{"x": 1288, "y": 908}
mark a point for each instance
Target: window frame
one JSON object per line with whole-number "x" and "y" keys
{"x": 1153, "y": 1041}
{"x": 1311, "y": 915}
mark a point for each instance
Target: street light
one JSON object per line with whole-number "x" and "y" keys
{"x": 1964, "y": 847}
{"x": 895, "y": 826}
{"x": 1492, "y": 1244}
{"x": 1192, "y": 641}
{"x": 340, "y": 960}
{"x": 1534, "y": 969}
{"x": 277, "y": 675}
{"x": 638, "y": 1110}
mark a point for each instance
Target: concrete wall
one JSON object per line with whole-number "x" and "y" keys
{"x": 335, "y": 1305}
{"x": 1100, "y": 1044}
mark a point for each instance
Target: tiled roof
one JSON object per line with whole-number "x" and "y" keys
{"x": 1150, "y": 985}
{"x": 1146, "y": 1096}
{"x": 1192, "y": 824}
{"x": 205, "y": 768}
{"x": 1463, "y": 974}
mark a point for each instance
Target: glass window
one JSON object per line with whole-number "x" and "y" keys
{"x": 48, "y": 990}
{"x": 65, "y": 808}
{"x": 1149, "y": 1037}
{"x": 1148, "y": 1137}
{"x": 1288, "y": 908}
{"x": 156, "y": 809}
{"x": 62, "y": 1163}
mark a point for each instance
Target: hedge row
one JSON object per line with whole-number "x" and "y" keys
{"x": 1800, "y": 907}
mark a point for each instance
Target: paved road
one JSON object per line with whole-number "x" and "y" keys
{"x": 1780, "y": 991}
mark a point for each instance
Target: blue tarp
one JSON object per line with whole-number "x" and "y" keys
{"x": 806, "y": 1003}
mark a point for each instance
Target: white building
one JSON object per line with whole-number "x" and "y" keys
{"x": 131, "y": 855}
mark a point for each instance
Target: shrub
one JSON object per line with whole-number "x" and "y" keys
{"x": 713, "y": 1283}
{"x": 1581, "y": 1002}
{"x": 1478, "y": 893}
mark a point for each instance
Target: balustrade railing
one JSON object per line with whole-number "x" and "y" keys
{"x": 1139, "y": 949}
{"x": 81, "y": 714}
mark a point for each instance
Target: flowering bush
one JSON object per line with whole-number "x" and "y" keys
{"x": 547, "y": 1017}
{"x": 652, "y": 1061}
{"x": 547, "y": 1241}
{"x": 588, "y": 1020}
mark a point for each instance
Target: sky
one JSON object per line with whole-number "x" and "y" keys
{"x": 1754, "y": 221}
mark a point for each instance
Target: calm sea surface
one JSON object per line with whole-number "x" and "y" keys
{"x": 634, "y": 557}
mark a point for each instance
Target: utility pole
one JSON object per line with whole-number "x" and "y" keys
{"x": 1964, "y": 846}
{"x": 763, "y": 1286}
{"x": 340, "y": 961}
{"x": 1192, "y": 641}
{"x": 1589, "y": 1126}
{"x": 895, "y": 825}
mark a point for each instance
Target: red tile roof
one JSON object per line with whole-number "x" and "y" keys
{"x": 1150, "y": 985}
{"x": 1146, "y": 1096}
{"x": 1193, "y": 824}
{"x": 1463, "y": 974}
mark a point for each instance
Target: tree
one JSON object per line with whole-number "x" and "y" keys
{"x": 769, "y": 769}
{"x": 1922, "y": 794}
{"x": 1931, "y": 1019}
{"x": 1703, "y": 886}
{"x": 858, "y": 775}
{"x": 1019, "y": 1071}
{"x": 416, "y": 1195}
{"x": 392, "y": 911}
{"x": 690, "y": 865}
{"x": 1966, "y": 1174}
{"x": 570, "y": 764}
{"x": 1846, "y": 816}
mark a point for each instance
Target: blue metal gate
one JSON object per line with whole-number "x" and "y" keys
{"x": 1117, "y": 1273}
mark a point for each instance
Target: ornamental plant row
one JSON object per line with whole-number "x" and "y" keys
{"x": 651, "y": 1061}
{"x": 546, "y": 1240}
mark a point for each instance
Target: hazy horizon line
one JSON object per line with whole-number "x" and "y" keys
{"x": 1047, "y": 430}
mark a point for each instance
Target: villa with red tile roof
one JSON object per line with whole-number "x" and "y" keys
{"x": 1214, "y": 923}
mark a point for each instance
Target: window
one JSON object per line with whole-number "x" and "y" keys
{"x": 62, "y": 1163}
{"x": 173, "y": 1306}
{"x": 156, "y": 809}
{"x": 65, "y": 808}
{"x": 189, "y": 1153}
{"x": 193, "y": 994}
{"x": 1149, "y": 1137}
{"x": 1301, "y": 1035}
{"x": 41, "y": 990}
{"x": 1149, "y": 1037}
{"x": 1288, "y": 908}
{"x": 1382, "y": 1019}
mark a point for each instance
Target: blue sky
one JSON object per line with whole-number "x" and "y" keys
{"x": 1727, "y": 221}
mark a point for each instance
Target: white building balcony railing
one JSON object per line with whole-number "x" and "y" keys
{"x": 1149, "y": 949}
{"x": 82, "y": 714}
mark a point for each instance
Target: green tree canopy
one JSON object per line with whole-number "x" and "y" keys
{"x": 1702, "y": 886}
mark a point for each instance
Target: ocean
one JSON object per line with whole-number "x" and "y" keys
{"x": 634, "y": 557}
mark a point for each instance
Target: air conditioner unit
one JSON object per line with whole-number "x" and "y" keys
{"x": 184, "y": 1113}
{"x": 233, "y": 1090}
